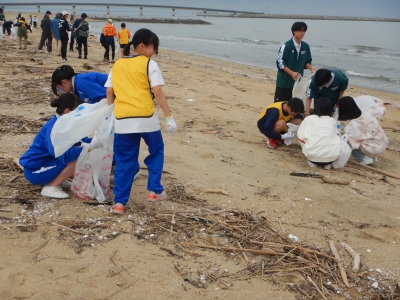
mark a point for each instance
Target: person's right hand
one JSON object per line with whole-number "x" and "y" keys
{"x": 295, "y": 75}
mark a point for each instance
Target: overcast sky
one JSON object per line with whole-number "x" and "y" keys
{"x": 367, "y": 8}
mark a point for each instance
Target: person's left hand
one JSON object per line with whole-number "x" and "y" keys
{"x": 171, "y": 125}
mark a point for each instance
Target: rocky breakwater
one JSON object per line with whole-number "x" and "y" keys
{"x": 152, "y": 20}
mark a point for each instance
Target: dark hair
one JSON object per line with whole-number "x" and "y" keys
{"x": 58, "y": 15}
{"x": 348, "y": 109}
{"x": 145, "y": 36}
{"x": 61, "y": 73}
{"x": 299, "y": 26}
{"x": 296, "y": 105}
{"x": 123, "y": 25}
{"x": 322, "y": 76}
{"x": 22, "y": 19}
{"x": 323, "y": 107}
{"x": 66, "y": 100}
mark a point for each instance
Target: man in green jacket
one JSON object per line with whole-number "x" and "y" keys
{"x": 328, "y": 83}
{"x": 293, "y": 57}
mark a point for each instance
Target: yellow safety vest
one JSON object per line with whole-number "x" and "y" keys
{"x": 279, "y": 106}
{"x": 130, "y": 81}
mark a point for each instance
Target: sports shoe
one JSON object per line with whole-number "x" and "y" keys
{"x": 66, "y": 184}
{"x": 48, "y": 52}
{"x": 54, "y": 192}
{"x": 85, "y": 57}
{"x": 138, "y": 171}
{"x": 119, "y": 209}
{"x": 280, "y": 142}
{"x": 65, "y": 61}
{"x": 272, "y": 143}
{"x": 328, "y": 167}
{"x": 153, "y": 197}
{"x": 312, "y": 165}
{"x": 80, "y": 57}
{"x": 367, "y": 160}
{"x": 40, "y": 51}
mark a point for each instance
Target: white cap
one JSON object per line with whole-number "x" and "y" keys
{"x": 64, "y": 13}
{"x": 109, "y": 21}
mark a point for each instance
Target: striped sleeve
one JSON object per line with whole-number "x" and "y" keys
{"x": 281, "y": 64}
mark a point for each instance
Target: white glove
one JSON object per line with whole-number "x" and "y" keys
{"x": 288, "y": 135}
{"x": 171, "y": 125}
{"x": 94, "y": 144}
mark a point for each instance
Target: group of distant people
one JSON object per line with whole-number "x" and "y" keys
{"x": 317, "y": 130}
{"x": 58, "y": 29}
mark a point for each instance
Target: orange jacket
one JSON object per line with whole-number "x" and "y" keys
{"x": 109, "y": 30}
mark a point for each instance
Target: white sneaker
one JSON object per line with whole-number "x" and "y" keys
{"x": 312, "y": 165}
{"x": 367, "y": 160}
{"x": 40, "y": 51}
{"x": 66, "y": 184}
{"x": 54, "y": 192}
{"x": 328, "y": 167}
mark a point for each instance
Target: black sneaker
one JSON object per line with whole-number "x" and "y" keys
{"x": 80, "y": 57}
{"x": 85, "y": 57}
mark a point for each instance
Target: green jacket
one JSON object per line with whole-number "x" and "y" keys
{"x": 339, "y": 83}
{"x": 2, "y": 18}
{"x": 287, "y": 57}
{"x": 76, "y": 25}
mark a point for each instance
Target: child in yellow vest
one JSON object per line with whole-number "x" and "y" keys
{"x": 273, "y": 119}
{"x": 123, "y": 36}
{"x": 131, "y": 84}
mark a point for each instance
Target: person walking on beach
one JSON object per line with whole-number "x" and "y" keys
{"x": 293, "y": 57}
{"x": 71, "y": 29}
{"x": 46, "y": 33}
{"x": 81, "y": 29}
{"x": 328, "y": 83}
{"x": 64, "y": 28}
{"x": 123, "y": 36}
{"x": 55, "y": 30}
{"x": 129, "y": 86}
{"x": 109, "y": 32}
{"x": 35, "y": 20}
{"x": 2, "y": 20}
{"x": 22, "y": 32}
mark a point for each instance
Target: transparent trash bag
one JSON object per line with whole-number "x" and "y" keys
{"x": 344, "y": 154}
{"x": 300, "y": 87}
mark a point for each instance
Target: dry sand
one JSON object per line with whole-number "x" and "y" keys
{"x": 217, "y": 146}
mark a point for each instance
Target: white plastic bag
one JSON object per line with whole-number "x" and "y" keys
{"x": 82, "y": 122}
{"x": 344, "y": 155}
{"x": 13, "y": 35}
{"x": 92, "y": 174}
{"x": 300, "y": 87}
{"x": 117, "y": 47}
{"x": 291, "y": 128}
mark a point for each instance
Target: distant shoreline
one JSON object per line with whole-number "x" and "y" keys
{"x": 315, "y": 17}
{"x": 151, "y": 20}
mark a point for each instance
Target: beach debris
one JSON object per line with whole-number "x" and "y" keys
{"x": 216, "y": 191}
{"x": 324, "y": 178}
{"x": 355, "y": 255}
{"x": 190, "y": 100}
{"x": 339, "y": 263}
{"x": 294, "y": 238}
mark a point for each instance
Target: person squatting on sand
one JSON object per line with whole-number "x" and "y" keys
{"x": 273, "y": 119}
{"x": 89, "y": 87}
{"x": 327, "y": 83}
{"x": 365, "y": 135}
{"x": 41, "y": 167}
{"x": 319, "y": 136}
{"x": 293, "y": 57}
{"x": 129, "y": 86}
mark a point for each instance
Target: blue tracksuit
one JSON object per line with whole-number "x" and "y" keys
{"x": 39, "y": 162}
{"x": 55, "y": 29}
{"x": 89, "y": 87}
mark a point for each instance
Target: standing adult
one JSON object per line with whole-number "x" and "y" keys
{"x": 2, "y": 20}
{"x": 71, "y": 29}
{"x": 46, "y": 33}
{"x": 55, "y": 30}
{"x": 64, "y": 28}
{"x": 35, "y": 20}
{"x": 109, "y": 32}
{"x": 81, "y": 29}
{"x": 293, "y": 57}
{"x": 30, "y": 20}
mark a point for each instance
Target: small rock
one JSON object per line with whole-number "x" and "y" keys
{"x": 375, "y": 285}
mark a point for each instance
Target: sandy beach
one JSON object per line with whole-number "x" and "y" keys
{"x": 217, "y": 165}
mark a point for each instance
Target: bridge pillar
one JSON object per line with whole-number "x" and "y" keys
{"x": 108, "y": 10}
{"x": 73, "y": 9}
{"x": 141, "y": 11}
{"x": 173, "y": 12}
{"x": 38, "y": 8}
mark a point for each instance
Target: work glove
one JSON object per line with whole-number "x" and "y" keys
{"x": 94, "y": 144}
{"x": 171, "y": 125}
{"x": 288, "y": 135}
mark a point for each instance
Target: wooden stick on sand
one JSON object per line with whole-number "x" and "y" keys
{"x": 339, "y": 262}
{"x": 355, "y": 255}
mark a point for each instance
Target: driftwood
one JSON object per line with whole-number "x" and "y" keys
{"x": 339, "y": 262}
{"x": 261, "y": 252}
{"x": 373, "y": 169}
{"x": 316, "y": 287}
{"x": 355, "y": 255}
{"x": 322, "y": 177}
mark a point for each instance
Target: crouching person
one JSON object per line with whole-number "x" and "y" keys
{"x": 41, "y": 167}
{"x": 273, "y": 119}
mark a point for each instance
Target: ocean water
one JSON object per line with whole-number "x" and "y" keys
{"x": 368, "y": 52}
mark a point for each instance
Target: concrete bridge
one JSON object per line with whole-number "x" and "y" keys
{"x": 141, "y": 6}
